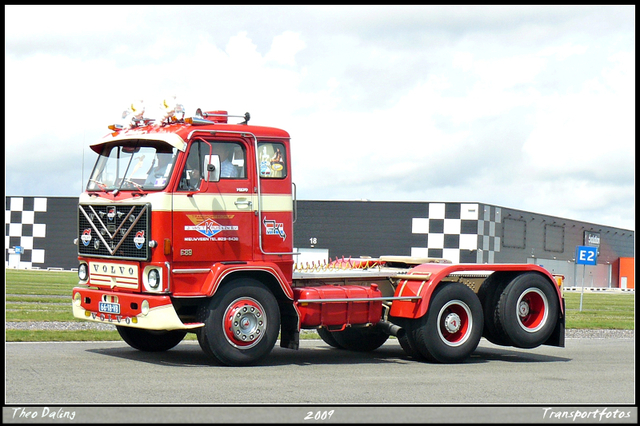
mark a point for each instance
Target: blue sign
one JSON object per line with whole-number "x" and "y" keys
{"x": 18, "y": 250}
{"x": 586, "y": 255}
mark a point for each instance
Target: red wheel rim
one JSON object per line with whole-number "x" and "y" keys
{"x": 532, "y": 309}
{"x": 244, "y": 323}
{"x": 455, "y": 323}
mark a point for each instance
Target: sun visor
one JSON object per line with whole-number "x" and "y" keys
{"x": 170, "y": 138}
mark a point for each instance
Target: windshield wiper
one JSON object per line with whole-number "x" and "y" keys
{"x": 101, "y": 185}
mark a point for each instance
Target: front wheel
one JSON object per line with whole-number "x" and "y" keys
{"x": 150, "y": 340}
{"x": 241, "y": 323}
{"x": 452, "y": 327}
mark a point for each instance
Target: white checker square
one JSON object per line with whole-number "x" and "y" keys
{"x": 16, "y": 204}
{"x": 469, "y": 241}
{"x": 469, "y": 211}
{"x": 436, "y": 241}
{"x": 28, "y": 217}
{"x": 420, "y": 225}
{"x": 419, "y": 252}
{"x": 436, "y": 210}
{"x": 15, "y": 229}
{"x": 452, "y": 226}
{"x": 451, "y": 254}
{"x": 26, "y": 243}
{"x": 40, "y": 230}
{"x": 37, "y": 256}
{"x": 40, "y": 204}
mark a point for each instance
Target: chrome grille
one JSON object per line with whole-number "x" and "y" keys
{"x": 114, "y": 231}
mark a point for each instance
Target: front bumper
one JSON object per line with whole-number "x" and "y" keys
{"x": 150, "y": 312}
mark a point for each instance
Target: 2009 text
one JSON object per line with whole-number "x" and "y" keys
{"x": 319, "y": 415}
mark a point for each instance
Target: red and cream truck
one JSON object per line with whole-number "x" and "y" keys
{"x": 186, "y": 226}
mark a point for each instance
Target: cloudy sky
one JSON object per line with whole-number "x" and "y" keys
{"x": 529, "y": 108}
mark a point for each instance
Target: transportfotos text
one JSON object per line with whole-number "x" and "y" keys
{"x": 598, "y": 414}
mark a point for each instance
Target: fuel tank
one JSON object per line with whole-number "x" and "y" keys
{"x": 338, "y": 305}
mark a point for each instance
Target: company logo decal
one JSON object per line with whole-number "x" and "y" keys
{"x": 139, "y": 239}
{"x": 271, "y": 227}
{"x": 209, "y": 229}
{"x": 111, "y": 213}
{"x": 86, "y": 237}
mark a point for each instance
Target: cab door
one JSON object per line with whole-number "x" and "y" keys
{"x": 213, "y": 220}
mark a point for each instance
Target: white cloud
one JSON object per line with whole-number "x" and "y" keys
{"x": 284, "y": 48}
{"x": 526, "y": 107}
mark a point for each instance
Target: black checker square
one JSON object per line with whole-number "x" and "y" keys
{"x": 452, "y": 210}
{"x": 468, "y": 226}
{"x": 451, "y": 241}
{"x": 435, "y": 253}
{"x": 436, "y": 226}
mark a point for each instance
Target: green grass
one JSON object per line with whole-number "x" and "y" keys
{"x": 46, "y": 296}
{"x": 600, "y": 310}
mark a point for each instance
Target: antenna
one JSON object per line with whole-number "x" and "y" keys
{"x": 82, "y": 166}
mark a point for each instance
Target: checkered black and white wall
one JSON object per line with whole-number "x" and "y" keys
{"x": 45, "y": 227}
{"x": 460, "y": 232}
{"x": 22, "y": 230}
{"x": 39, "y": 232}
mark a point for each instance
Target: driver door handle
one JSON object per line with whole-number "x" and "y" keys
{"x": 243, "y": 203}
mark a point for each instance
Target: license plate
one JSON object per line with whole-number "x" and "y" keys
{"x": 109, "y": 308}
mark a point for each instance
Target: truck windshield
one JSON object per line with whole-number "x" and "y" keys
{"x": 140, "y": 166}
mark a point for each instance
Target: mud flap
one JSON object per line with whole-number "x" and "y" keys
{"x": 557, "y": 337}
{"x": 289, "y": 333}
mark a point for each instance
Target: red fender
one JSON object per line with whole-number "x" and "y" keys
{"x": 429, "y": 275}
{"x": 219, "y": 271}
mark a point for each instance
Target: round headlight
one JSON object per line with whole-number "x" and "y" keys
{"x": 77, "y": 299}
{"x": 154, "y": 279}
{"x": 83, "y": 272}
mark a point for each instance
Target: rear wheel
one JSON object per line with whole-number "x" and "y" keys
{"x": 528, "y": 310}
{"x": 150, "y": 340}
{"x": 452, "y": 327}
{"x": 241, "y": 323}
{"x": 327, "y": 337}
{"x": 405, "y": 343}
{"x": 489, "y": 295}
{"x": 360, "y": 339}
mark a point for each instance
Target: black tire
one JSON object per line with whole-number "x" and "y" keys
{"x": 241, "y": 323}
{"x": 406, "y": 325}
{"x": 150, "y": 340}
{"x": 360, "y": 339}
{"x": 489, "y": 295}
{"x": 452, "y": 327}
{"x": 527, "y": 310}
{"x": 328, "y": 338}
{"x": 408, "y": 348}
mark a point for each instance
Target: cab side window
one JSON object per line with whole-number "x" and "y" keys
{"x": 273, "y": 161}
{"x": 232, "y": 160}
{"x": 232, "y": 163}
